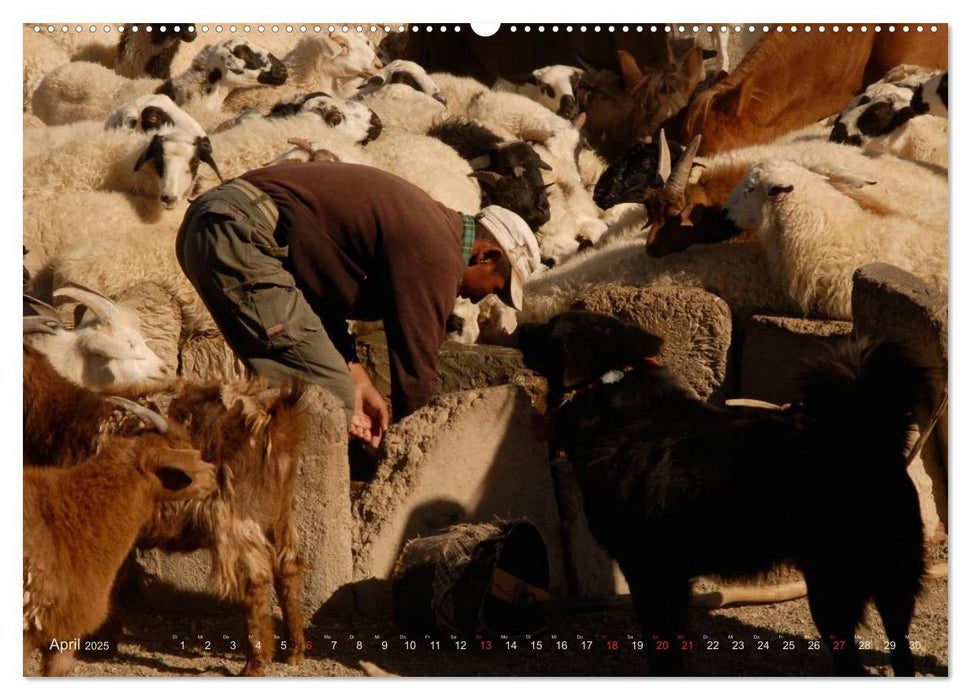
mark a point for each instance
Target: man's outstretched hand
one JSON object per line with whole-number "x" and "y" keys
{"x": 371, "y": 414}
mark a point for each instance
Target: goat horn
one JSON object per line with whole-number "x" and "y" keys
{"x": 679, "y": 175}
{"x": 301, "y": 143}
{"x": 42, "y": 308}
{"x": 103, "y": 308}
{"x": 664, "y": 159}
{"x": 146, "y": 414}
{"x": 40, "y": 324}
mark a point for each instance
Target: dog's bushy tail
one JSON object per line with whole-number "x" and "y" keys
{"x": 866, "y": 395}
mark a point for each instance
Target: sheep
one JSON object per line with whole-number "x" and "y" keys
{"x": 146, "y": 51}
{"x": 458, "y": 91}
{"x": 104, "y": 351}
{"x": 430, "y": 164}
{"x": 354, "y": 120}
{"x": 575, "y": 219}
{"x": 930, "y": 97}
{"x": 79, "y": 525}
{"x": 508, "y": 172}
{"x": 98, "y": 46}
{"x": 51, "y": 225}
{"x": 404, "y": 109}
{"x": 41, "y": 56}
{"x": 257, "y": 141}
{"x": 736, "y": 272}
{"x": 84, "y": 156}
{"x": 320, "y": 62}
{"x": 150, "y": 113}
{"x": 554, "y": 87}
{"x": 818, "y": 231}
{"x": 405, "y": 73}
{"x": 81, "y": 91}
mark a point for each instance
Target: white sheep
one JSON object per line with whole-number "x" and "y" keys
{"x": 153, "y": 113}
{"x": 404, "y": 73}
{"x": 403, "y": 108}
{"x": 41, "y": 56}
{"x": 428, "y": 163}
{"x": 317, "y": 63}
{"x": 817, "y": 231}
{"x": 458, "y": 91}
{"x": 554, "y": 87}
{"x": 353, "y": 120}
{"x": 84, "y": 156}
{"x": 81, "y": 90}
{"x": 145, "y": 51}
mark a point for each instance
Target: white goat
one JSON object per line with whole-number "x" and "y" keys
{"x": 554, "y": 87}
{"x": 817, "y": 231}
{"x": 104, "y": 351}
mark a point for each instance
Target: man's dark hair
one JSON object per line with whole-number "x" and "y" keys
{"x": 503, "y": 266}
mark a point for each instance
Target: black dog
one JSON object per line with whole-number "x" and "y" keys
{"x": 675, "y": 488}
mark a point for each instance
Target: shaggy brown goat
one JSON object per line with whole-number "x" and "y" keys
{"x": 250, "y": 433}
{"x": 64, "y": 423}
{"x": 79, "y": 525}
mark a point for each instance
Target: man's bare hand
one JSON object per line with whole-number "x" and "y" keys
{"x": 371, "y": 414}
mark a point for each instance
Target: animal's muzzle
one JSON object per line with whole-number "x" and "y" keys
{"x": 276, "y": 75}
{"x": 568, "y": 107}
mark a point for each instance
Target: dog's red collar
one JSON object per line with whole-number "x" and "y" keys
{"x": 610, "y": 377}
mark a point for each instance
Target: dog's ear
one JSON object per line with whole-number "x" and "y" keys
{"x": 641, "y": 343}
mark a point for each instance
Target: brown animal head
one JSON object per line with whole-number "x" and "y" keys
{"x": 718, "y": 113}
{"x": 682, "y": 214}
{"x": 660, "y": 92}
{"x": 173, "y": 467}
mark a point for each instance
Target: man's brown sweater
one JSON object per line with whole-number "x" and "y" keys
{"x": 367, "y": 245}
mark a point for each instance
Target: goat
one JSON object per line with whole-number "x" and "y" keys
{"x": 554, "y": 87}
{"x": 105, "y": 351}
{"x": 788, "y": 81}
{"x": 80, "y": 524}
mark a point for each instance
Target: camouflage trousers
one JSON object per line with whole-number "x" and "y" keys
{"x": 227, "y": 250}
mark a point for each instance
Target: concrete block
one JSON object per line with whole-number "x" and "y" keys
{"x": 465, "y": 457}
{"x": 323, "y": 516}
{"x": 895, "y": 305}
{"x": 696, "y": 326}
{"x": 775, "y": 348}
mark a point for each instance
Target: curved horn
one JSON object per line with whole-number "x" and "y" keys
{"x": 41, "y": 308}
{"x": 301, "y": 143}
{"x": 146, "y": 414}
{"x": 664, "y": 159}
{"x": 40, "y": 324}
{"x": 103, "y": 307}
{"x": 204, "y": 149}
{"x": 679, "y": 176}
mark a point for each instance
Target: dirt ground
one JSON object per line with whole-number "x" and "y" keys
{"x": 750, "y": 641}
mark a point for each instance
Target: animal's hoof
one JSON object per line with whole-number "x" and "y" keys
{"x": 253, "y": 669}
{"x": 294, "y": 658}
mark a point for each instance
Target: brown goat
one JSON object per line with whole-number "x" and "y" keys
{"x": 250, "y": 433}
{"x": 79, "y": 525}
{"x": 65, "y": 423}
{"x": 789, "y": 80}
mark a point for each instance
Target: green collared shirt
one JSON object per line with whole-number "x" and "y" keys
{"x": 468, "y": 236}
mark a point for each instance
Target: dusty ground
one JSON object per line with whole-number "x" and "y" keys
{"x": 152, "y": 646}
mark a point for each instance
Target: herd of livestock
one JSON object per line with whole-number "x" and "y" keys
{"x": 765, "y": 170}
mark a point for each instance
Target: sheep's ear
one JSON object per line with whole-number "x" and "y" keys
{"x": 204, "y": 148}
{"x": 153, "y": 147}
{"x": 776, "y": 190}
{"x": 737, "y": 100}
{"x": 374, "y": 81}
{"x": 342, "y": 42}
{"x": 487, "y": 176}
